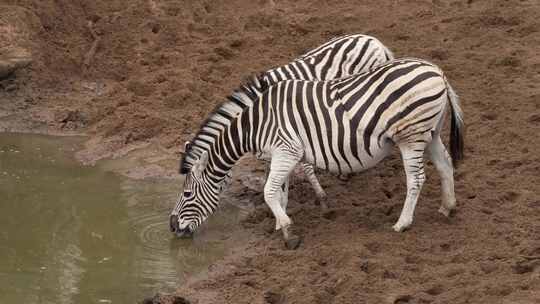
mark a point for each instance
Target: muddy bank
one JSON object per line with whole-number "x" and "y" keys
{"x": 160, "y": 66}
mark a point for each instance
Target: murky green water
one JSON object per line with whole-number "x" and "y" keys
{"x": 73, "y": 234}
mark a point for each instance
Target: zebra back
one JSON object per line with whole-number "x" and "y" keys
{"x": 340, "y": 57}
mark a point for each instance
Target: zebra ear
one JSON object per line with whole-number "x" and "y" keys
{"x": 200, "y": 164}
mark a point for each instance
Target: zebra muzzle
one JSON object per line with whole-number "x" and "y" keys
{"x": 175, "y": 228}
{"x": 173, "y": 223}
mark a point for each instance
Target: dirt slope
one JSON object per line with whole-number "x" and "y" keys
{"x": 160, "y": 66}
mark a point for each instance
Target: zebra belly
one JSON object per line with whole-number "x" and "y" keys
{"x": 377, "y": 155}
{"x": 347, "y": 162}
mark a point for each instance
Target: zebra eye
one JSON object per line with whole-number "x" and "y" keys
{"x": 187, "y": 193}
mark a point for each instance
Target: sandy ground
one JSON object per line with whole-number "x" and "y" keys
{"x": 159, "y": 67}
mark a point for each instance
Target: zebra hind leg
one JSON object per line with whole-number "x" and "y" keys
{"x": 413, "y": 160}
{"x": 282, "y": 164}
{"x": 440, "y": 158}
{"x": 321, "y": 197}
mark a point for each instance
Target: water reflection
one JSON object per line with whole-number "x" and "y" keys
{"x": 71, "y": 234}
{"x": 71, "y": 272}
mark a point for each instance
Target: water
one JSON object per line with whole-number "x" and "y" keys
{"x": 73, "y": 234}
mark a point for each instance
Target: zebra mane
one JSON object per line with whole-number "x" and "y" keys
{"x": 241, "y": 98}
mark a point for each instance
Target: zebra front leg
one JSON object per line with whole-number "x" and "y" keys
{"x": 284, "y": 187}
{"x": 285, "y": 194}
{"x": 283, "y": 163}
{"x": 413, "y": 161}
{"x": 443, "y": 164}
{"x": 309, "y": 171}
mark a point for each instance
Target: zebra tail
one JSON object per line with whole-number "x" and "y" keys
{"x": 457, "y": 127}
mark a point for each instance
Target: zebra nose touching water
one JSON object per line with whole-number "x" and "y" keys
{"x": 342, "y": 126}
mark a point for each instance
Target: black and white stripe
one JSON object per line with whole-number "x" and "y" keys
{"x": 345, "y": 125}
{"x": 340, "y": 57}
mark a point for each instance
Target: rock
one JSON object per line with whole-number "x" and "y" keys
{"x": 165, "y": 299}
{"x": 11, "y": 87}
{"x": 522, "y": 267}
{"x": 10, "y": 65}
{"x": 75, "y": 118}
{"x": 435, "y": 290}
{"x": 147, "y": 301}
{"x": 224, "y": 52}
{"x": 401, "y": 299}
{"x": 333, "y": 214}
{"x": 535, "y": 118}
{"x": 510, "y": 61}
{"x": 272, "y": 297}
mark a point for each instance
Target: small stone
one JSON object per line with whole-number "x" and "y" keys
{"x": 224, "y": 52}
{"x": 534, "y": 118}
{"x": 435, "y": 290}
{"x": 403, "y": 299}
{"x": 488, "y": 267}
{"x": 272, "y": 297}
{"x": 365, "y": 267}
{"x": 147, "y": 301}
{"x": 522, "y": 267}
{"x": 11, "y": 87}
{"x": 165, "y": 299}
{"x": 156, "y": 27}
{"x": 236, "y": 43}
{"x": 10, "y": 65}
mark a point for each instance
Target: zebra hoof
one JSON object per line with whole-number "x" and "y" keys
{"x": 323, "y": 202}
{"x": 293, "y": 242}
{"x": 401, "y": 227}
{"x": 446, "y": 212}
{"x": 329, "y": 214}
{"x": 344, "y": 177}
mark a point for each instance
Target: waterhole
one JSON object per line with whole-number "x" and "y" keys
{"x": 77, "y": 234}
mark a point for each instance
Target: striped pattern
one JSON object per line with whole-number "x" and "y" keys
{"x": 350, "y": 133}
{"x": 344, "y": 125}
{"x": 339, "y": 57}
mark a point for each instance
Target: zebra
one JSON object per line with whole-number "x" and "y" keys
{"x": 343, "y": 125}
{"x": 340, "y": 57}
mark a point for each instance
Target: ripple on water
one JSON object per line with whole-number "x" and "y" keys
{"x": 156, "y": 263}
{"x": 100, "y": 238}
{"x": 153, "y": 231}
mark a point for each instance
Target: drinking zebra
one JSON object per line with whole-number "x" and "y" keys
{"x": 339, "y": 57}
{"x": 344, "y": 125}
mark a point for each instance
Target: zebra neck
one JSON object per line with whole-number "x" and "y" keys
{"x": 252, "y": 131}
{"x": 227, "y": 148}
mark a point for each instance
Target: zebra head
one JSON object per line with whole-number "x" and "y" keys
{"x": 199, "y": 199}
